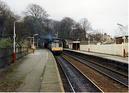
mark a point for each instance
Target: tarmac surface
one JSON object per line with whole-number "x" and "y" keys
{"x": 33, "y": 73}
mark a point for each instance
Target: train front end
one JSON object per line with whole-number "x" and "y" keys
{"x": 57, "y": 46}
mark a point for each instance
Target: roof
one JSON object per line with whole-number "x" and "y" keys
{"x": 76, "y": 41}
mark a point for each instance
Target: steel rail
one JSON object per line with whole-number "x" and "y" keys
{"x": 118, "y": 66}
{"x": 86, "y": 77}
{"x": 92, "y": 65}
{"x": 66, "y": 75}
{"x": 82, "y": 75}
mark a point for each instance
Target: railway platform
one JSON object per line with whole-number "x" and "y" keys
{"x": 51, "y": 81}
{"x": 102, "y": 55}
{"x": 36, "y": 72}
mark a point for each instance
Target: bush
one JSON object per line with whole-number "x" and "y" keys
{"x": 4, "y": 43}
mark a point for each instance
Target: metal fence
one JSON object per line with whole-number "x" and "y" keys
{"x": 6, "y": 57}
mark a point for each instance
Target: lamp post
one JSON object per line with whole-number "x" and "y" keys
{"x": 123, "y": 29}
{"x": 38, "y": 42}
{"x": 89, "y": 40}
{"x": 33, "y": 39}
{"x": 14, "y": 43}
{"x": 14, "y": 40}
{"x": 88, "y": 37}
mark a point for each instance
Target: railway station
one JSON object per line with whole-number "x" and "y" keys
{"x": 56, "y": 68}
{"x": 64, "y": 46}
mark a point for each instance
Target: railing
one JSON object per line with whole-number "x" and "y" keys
{"x": 6, "y": 55}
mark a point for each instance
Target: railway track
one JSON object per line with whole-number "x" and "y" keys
{"x": 113, "y": 74}
{"x": 119, "y": 79}
{"x": 77, "y": 80}
{"x": 118, "y": 67}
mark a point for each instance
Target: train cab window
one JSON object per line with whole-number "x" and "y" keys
{"x": 57, "y": 43}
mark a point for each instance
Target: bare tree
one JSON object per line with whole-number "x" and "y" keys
{"x": 36, "y": 11}
{"x": 66, "y": 25}
{"x": 36, "y": 19}
{"x": 78, "y": 33}
{"x": 85, "y": 24}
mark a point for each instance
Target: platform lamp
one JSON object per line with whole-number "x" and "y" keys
{"x": 14, "y": 40}
{"x": 123, "y": 30}
{"x": 33, "y": 38}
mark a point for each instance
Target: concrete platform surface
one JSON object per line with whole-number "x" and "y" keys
{"x": 106, "y": 56}
{"x": 51, "y": 81}
{"x": 33, "y": 73}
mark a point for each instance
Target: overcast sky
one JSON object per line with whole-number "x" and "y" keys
{"x": 102, "y": 14}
